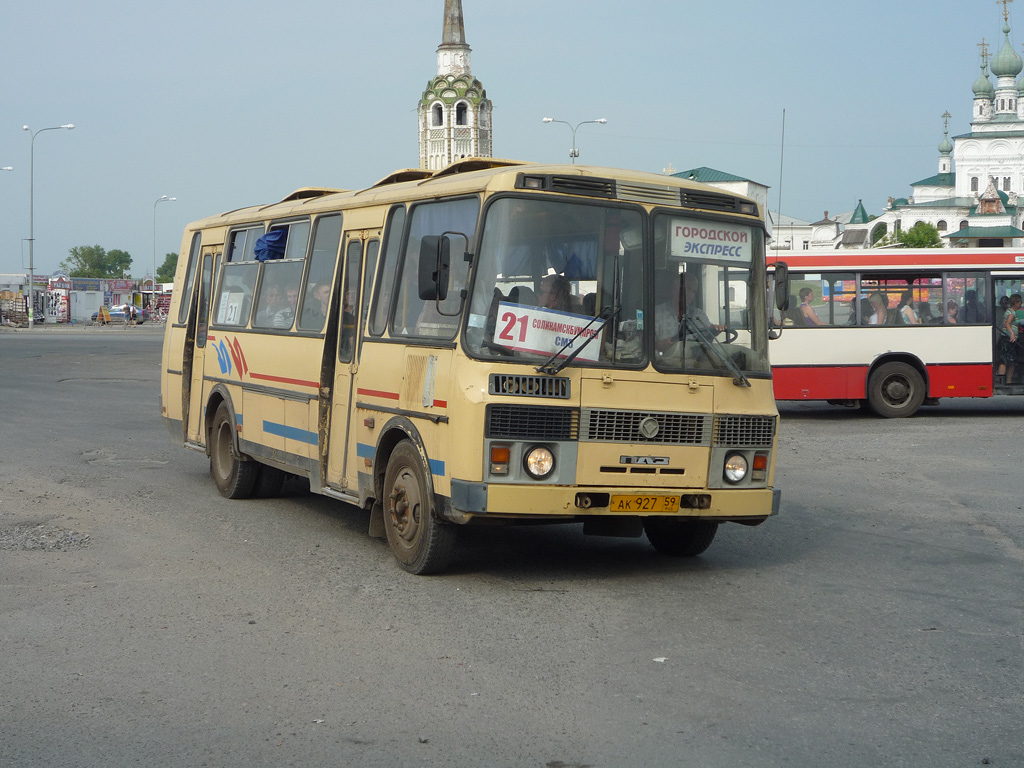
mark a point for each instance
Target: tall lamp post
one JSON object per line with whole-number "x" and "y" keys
{"x": 161, "y": 199}
{"x": 574, "y": 152}
{"x": 31, "y": 216}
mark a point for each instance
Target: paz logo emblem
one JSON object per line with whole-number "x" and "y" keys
{"x": 649, "y": 427}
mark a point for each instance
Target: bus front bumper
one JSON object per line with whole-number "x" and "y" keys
{"x": 554, "y": 502}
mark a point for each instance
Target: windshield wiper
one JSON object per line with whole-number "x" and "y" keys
{"x": 605, "y": 315}
{"x": 706, "y": 337}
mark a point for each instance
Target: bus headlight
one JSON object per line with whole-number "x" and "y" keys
{"x": 735, "y": 468}
{"x": 539, "y": 462}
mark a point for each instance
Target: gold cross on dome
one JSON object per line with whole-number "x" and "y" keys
{"x": 983, "y": 46}
{"x": 1006, "y": 10}
{"x": 945, "y": 119}
{"x": 668, "y": 171}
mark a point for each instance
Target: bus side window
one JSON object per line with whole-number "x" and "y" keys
{"x": 372, "y": 249}
{"x": 321, "y": 273}
{"x": 279, "y": 294}
{"x": 203, "y": 309}
{"x": 350, "y": 300}
{"x": 388, "y": 266}
{"x": 185, "y": 299}
{"x": 414, "y": 316}
{"x": 234, "y": 298}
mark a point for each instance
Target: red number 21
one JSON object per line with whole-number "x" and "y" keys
{"x": 510, "y": 319}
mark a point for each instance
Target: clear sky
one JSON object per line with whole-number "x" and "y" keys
{"x": 227, "y": 104}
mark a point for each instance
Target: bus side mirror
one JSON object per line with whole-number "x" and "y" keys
{"x": 435, "y": 265}
{"x": 781, "y": 286}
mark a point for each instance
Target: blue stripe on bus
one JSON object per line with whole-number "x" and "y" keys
{"x": 364, "y": 451}
{"x": 238, "y": 419}
{"x": 290, "y": 433}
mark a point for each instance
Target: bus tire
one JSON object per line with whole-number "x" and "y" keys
{"x": 895, "y": 390}
{"x": 418, "y": 540}
{"x": 234, "y": 476}
{"x": 680, "y": 538}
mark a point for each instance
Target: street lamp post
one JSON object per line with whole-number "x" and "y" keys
{"x": 161, "y": 199}
{"x": 31, "y": 215}
{"x": 574, "y": 152}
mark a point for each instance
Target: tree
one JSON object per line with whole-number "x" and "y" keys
{"x": 921, "y": 235}
{"x": 94, "y": 261}
{"x": 165, "y": 272}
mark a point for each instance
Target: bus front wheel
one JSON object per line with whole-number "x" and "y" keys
{"x": 420, "y": 543}
{"x": 895, "y": 390}
{"x": 680, "y": 538}
{"x": 234, "y": 476}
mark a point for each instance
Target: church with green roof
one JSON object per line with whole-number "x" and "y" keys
{"x": 973, "y": 198}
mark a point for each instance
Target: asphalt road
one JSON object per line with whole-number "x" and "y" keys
{"x": 145, "y": 620}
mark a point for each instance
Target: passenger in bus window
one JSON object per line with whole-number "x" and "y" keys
{"x": 1008, "y": 348}
{"x": 554, "y": 293}
{"x": 286, "y": 316}
{"x": 272, "y": 301}
{"x": 905, "y": 309}
{"x": 314, "y": 310}
{"x": 973, "y": 313}
{"x": 807, "y": 313}
{"x": 924, "y": 311}
{"x": 952, "y": 312}
{"x": 879, "y": 309}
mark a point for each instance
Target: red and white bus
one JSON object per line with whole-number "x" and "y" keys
{"x": 896, "y": 328}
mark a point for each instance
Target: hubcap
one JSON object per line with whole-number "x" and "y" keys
{"x": 405, "y": 507}
{"x": 897, "y": 390}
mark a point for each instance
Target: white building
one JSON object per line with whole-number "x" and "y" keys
{"x": 454, "y": 111}
{"x": 972, "y": 199}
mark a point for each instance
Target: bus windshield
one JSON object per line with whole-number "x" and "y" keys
{"x": 709, "y": 301}
{"x": 557, "y": 281}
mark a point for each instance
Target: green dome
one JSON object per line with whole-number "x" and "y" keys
{"x": 983, "y": 86}
{"x": 1006, "y": 63}
{"x": 946, "y": 147}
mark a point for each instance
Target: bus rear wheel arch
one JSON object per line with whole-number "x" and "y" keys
{"x": 420, "y": 542}
{"x": 234, "y": 475}
{"x": 895, "y": 390}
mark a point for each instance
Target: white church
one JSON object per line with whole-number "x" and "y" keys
{"x": 454, "y": 111}
{"x": 972, "y": 199}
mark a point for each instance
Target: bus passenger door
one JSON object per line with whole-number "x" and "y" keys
{"x": 193, "y": 394}
{"x": 340, "y": 471}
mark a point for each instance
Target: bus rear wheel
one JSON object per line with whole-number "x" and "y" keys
{"x": 420, "y": 543}
{"x": 234, "y": 476}
{"x": 680, "y": 538}
{"x": 895, "y": 390}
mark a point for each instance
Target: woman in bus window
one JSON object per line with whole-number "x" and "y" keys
{"x": 807, "y": 313}
{"x": 1008, "y": 349}
{"x": 878, "y": 308}
{"x": 906, "y": 310}
{"x": 952, "y": 312}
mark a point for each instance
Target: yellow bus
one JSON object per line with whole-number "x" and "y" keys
{"x": 494, "y": 342}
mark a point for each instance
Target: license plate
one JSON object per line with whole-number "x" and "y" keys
{"x": 644, "y": 504}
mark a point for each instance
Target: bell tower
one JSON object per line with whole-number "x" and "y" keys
{"x": 454, "y": 111}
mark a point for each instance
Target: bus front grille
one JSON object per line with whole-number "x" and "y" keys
{"x": 528, "y": 386}
{"x": 608, "y": 426}
{"x": 531, "y": 422}
{"x": 745, "y": 431}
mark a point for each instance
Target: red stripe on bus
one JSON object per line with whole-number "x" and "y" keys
{"x": 952, "y": 258}
{"x": 284, "y": 380}
{"x": 839, "y": 382}
{"x": 820, "y": 383}
{"x": 440, "y": 403}
{"x": 378, "y": 393}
